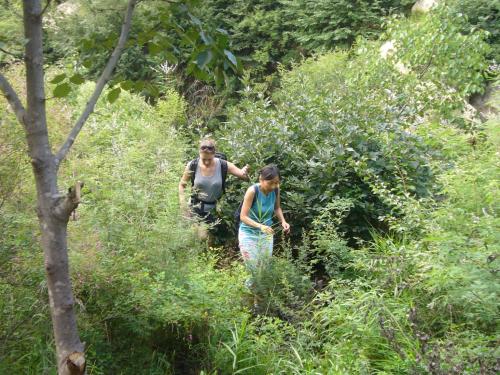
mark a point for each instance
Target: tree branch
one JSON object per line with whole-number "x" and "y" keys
{"x": 67, "y": 204}
{"x": 19, "y": 57}
{"x": 103, "y": 79}
{"x": 13, "y": 99}
{"x": 46, "y": 6}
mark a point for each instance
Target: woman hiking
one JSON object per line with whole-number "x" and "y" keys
{"x": 207, "y": 174}
{"x": 260, "y": 204}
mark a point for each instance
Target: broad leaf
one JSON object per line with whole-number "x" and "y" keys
{"x": 58, "y": 78}
{"x": 114, "y": 94}
{"x": 231, "y": 57}
{"x": 77, "y": 79}
{"x": 62, "y": 90}
{"x": 204, "y": 58}
{"x": 127, "y": 85}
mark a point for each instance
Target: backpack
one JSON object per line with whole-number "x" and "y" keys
{"x": 237, "y": 213}
{"x": 193, "y": 166}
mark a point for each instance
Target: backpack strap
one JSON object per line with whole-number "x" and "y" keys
{"x": 193, "y": 166}
{"x": 223, "y": 172}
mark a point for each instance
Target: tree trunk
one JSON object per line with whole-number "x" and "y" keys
{"x": 52, "y": 208}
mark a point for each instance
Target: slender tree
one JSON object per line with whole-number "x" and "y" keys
{"x": 54, "y": 208}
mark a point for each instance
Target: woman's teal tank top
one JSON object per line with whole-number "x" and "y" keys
{"x": 262, "y": 211}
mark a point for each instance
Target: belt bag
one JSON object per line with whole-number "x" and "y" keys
{"x": 201, "y": 204}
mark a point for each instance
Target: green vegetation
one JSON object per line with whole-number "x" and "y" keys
{"x": 330, "y": 144}
{"x": 389, "y": 180}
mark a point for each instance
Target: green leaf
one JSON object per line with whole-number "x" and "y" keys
{"x": 194, "y": 20}
{"x": 231, "y": 57}
{"x": 207, "y": 39}
{"x": 62, "y": 90}
{"x": 58, "y": 78}
{"x": 201, "y": 75}
{"x": 87, "y": 63}
{"x": 110, "y": 42}
{"x": 171, "y": 58}
{"x": 88, "y": 44}
{"x": 153, "y": 90}
{"x": 219, "y": 78}
{"x": 154, "y": 48}
{"x": 77, "y": 79}
{"x": 222, "y": 31}
{"x": 204, "y": 58}
{"x": 139, "y": 85}
{"x": 114, "y": 94}
{"x": 127, "y": 85}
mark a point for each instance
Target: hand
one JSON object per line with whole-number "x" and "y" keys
{"x": 186, "y": 212}
{"x": 286, "y": 227}
{"x": 245, "y": 171}
{"x": 266, "y": 229}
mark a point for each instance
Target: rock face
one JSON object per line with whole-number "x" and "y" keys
{"x": 487, "y": 104}
{"x": 387, "y": 50}
{"x": 68, "y": 8}
{"x": 423, "y": 6}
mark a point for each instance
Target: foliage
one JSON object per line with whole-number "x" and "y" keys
{"x": 425, "y": 304}
{"x": 12, "y": 34}
{"x": 138, "y": 244}
{"x": 329, "y": 144}
{"x": 144, "y": 296}
{"x": 421, "y": 297}
{"x": 271, "y": 33}
{"x": 326, "y": 25}
{"x": 281, "y": 286}
{"x": 25, "y": 327}
{"x": 483, "y": 14}
{"x": 160, "y": 32}
{"x": 329, "y": 249}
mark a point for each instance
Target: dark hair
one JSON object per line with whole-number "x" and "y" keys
{"x": 207, "y": 140}
{"x": 269, "y": 172}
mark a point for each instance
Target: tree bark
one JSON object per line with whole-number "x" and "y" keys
{"x": 53, "y": 222}
{"x": 54, "y": 209}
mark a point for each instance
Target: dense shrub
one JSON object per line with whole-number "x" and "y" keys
{"x": 426, "y": 304}
{"x": 326, "y": 25}
{"x": 145, "y": 297}
{"x": 483, "y": 14}
{"x": 270, "y": 33}
{"x": 344, "y": 125}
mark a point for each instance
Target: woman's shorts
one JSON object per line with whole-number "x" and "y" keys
{"x": 206, "y": 217}
{"x": 255, "y": 247}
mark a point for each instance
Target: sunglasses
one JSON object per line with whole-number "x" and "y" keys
{"x": 207, "y": 148}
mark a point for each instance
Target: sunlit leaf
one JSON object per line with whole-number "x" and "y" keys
{"x": 139, "y": 85}
{"x": 114, "y": 94}
{"x": 62, "y": 90}
{"x": 87, "y": 63}
{"x": 154, "y": 48}
{"x": 127, "y": 85}
{"x": 77, "y": 79}
{"x": 230, "y": 56}
{"x": 58, "y": 78}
